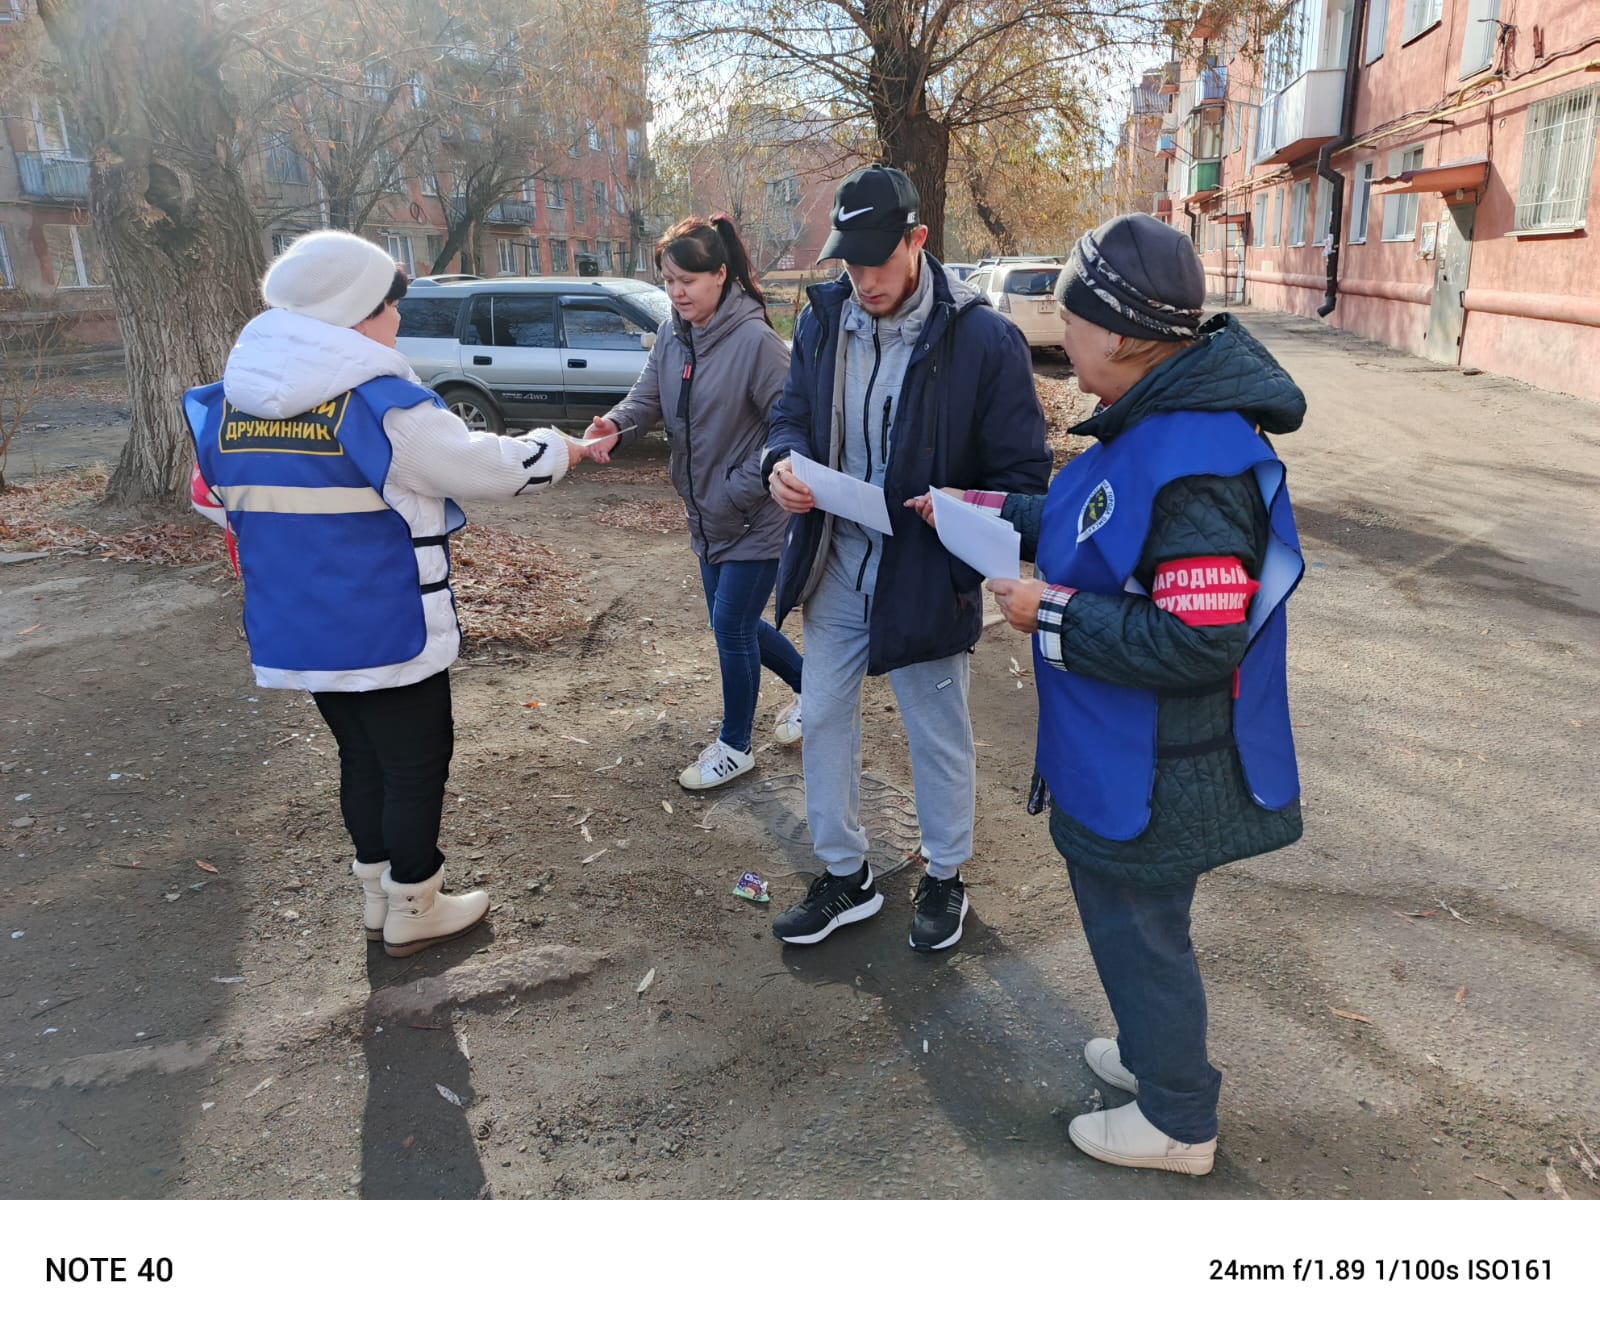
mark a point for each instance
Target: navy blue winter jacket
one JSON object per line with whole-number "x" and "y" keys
{"x": 970, "y": 419}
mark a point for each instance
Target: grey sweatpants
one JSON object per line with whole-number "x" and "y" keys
{"x": 933, "y": 708}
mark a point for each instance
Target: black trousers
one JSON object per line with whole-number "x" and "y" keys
{"x": 394, "y": 759}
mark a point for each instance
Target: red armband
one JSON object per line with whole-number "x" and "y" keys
{"x": 1204, "y": 591}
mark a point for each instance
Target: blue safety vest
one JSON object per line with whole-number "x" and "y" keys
{"x": 329, "y": 568}
{"x": 1097, "y": 741}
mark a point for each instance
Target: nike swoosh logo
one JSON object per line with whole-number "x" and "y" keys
{"x": 843, "y": 216}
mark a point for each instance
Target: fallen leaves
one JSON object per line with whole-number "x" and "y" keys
{"x": 448, "y": 1095}
{"x": 207, "y": 866}
{"x": 644, "y": 983}
{"x": 509, "y": 589}
{"x": 1461, "y": 995}
{"x": 654, "y": 517}
{"x": 1350, "y": 1015}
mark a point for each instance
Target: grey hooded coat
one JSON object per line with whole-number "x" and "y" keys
{"x": 712, "y": 390}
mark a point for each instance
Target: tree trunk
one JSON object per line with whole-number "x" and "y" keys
{"x": 920, "y": 147}
{"x": 169, "y": 208}
{"x": 989, "y": 216}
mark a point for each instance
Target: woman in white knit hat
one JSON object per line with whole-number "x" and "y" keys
{"x": 337, "y": 471}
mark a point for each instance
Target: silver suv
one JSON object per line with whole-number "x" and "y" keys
{"x": 526, "y": 352}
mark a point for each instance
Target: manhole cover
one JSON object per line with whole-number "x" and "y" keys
{"x": 773, "y": 811}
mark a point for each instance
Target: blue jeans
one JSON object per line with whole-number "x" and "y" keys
{"x": 1139, "y": 937}
{"x": 736, "y": 594}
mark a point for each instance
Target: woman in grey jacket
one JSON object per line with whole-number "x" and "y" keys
{"x": 715, "y": 370}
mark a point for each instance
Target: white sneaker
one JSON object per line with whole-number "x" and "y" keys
{"x": 1105, "y": 1060}
{"x": 420, "y": 916}
{"x": 718, "y": 763}
{"x": 370, "y": 874}
{"x": 787, "y": 729}
{"x": 1127, "y": 1137}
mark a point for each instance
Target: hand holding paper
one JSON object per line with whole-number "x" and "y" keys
{"x": 977, "y": 537}
{"x": 843, "y": 495}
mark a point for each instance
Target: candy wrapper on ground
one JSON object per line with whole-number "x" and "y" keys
{"x": 751, "y": 886}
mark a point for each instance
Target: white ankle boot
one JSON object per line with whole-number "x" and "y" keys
{"x": 1127, "y": 1137}
{"x": 420, "y": 916}
{"x": 370, "y": 874}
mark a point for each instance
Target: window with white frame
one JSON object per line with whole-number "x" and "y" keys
{"x": 594, "y": 136}
{"x": 1377, "y": 29}
{"x": 281, "y": 242}
{"x": 622, "y": 207}
{"x": 429, "y": 184}
{"x": 529, "y": 195}
{"x": 1277, "y": 217}
{"x": 555, "y": 194}
{"x": 74, "y": 256}
{"x": 399, "y": 246}
{"x": 1483, "y": 32}
{"x": 1258, "y": 227}
{"x": 638, "y": 264}
{"x": 602, "y": 200}
{"x": 7, "y": 280}
{"x": 558, "y": 256}
{"x": 1420, "y": 16}
{"x": 507, "y": 248}
{"x": 1297, "y": 214}
{"x": 432, "y": 246}
{"x": 1324, "y": 224}
{"x": 1400, "y": 211}
{"x": 1361, "y": 205}
{"x": 52, "y": 135}
{"x": 633, "y": 149}
{"x": 605, "y": 256}
{"x": 1557, "y": 161}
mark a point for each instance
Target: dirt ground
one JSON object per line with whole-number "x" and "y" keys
{"x": 1403, "y": 1004}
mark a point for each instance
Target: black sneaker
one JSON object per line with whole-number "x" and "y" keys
{"x": 941, "y": 908}
{"x": 830, "y": 903}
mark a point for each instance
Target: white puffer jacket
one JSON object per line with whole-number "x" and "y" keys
{"x": 285, "y": 364}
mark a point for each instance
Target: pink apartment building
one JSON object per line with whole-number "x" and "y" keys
{"x": 1456, "y": 145}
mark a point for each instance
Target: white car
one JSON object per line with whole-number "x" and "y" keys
{"x": 1024, "y": 291}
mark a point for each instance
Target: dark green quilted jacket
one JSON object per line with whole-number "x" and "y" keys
{"x": 1201, "y": 813}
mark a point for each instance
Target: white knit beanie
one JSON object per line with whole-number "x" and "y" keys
{"x": 332, "y": 276}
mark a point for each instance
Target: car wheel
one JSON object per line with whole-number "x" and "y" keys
{"x": 475, "y": 410}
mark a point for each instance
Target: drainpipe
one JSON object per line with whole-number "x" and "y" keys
{"x": 1347, "y": 117}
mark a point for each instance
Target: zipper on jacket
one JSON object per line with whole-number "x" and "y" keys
{"x": 883, "y": 438}
{"x": 866, "y": 404}
{"x": 688, "y": 452}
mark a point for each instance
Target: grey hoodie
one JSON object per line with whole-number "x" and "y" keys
{"x": 716, "y": 421}
{"x": 876, "y": 351}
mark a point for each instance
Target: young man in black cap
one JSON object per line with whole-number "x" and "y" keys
{"x": 906, "y": 378}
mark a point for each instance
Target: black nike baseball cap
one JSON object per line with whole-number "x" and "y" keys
{"x": 872, "y": 209}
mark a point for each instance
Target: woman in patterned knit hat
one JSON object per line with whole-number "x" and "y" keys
{"x": 1163, "y": 556}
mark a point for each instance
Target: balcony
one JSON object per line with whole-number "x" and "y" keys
{"x": 1205, "y": 178}
{"x": 518, "y": 212}
{"x": 1211, "y": 86}
{"x": 45, "y": 177}
{"x": 1170, "y": 77}
{"x": 1166, "y": 146}
{"x": 1301, "y": 119}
